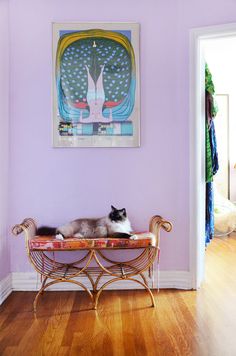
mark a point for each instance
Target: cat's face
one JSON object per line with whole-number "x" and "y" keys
{"x": 117, "y": 214}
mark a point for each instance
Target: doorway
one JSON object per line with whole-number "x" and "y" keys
{"x": 197, "y": 144}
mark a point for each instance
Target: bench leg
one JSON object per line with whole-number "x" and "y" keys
{"x": 153, "y": 304}
{"x": 45, "y": 286}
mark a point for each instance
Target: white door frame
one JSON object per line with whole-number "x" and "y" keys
{"x": 197, "y": 145}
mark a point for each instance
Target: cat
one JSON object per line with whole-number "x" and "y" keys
{"x": 116, "y": 225}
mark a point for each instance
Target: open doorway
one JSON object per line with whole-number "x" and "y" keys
{"x": 220, "y": 57}
{"x": 199, "y": 38}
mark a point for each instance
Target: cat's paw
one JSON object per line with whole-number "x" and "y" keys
{"x": 59, "y": 237}
{"x": 133, "y": 237}
{"x": 79, "y": 236}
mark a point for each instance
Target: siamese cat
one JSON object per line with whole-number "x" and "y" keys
{"x": 116, "y": 225}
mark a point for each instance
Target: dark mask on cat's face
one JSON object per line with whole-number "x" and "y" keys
{"x": 117, "y": 214}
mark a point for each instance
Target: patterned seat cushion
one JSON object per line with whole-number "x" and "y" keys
{"x": 50, "y": 243}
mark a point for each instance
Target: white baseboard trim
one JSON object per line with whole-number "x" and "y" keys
{"x": 30, "y": 281}
{"x": 175, "y": 280}
{"x": 5, "y": 288}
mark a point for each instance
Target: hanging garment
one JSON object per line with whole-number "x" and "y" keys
{"x": 210, "y": 224}
{"x": 209, "y": 85}
{"x": 212, "y": 164}
{"x": 209, "y": 118}
{"x": 209, "y": 212}
{"x": 214, "y": 153}
{"x": 210, "y": 89}
{"x": 209, "y": 169}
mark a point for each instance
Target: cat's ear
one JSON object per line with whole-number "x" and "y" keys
{"x": 113, "y": 208}
{"x": 124, "y": 212}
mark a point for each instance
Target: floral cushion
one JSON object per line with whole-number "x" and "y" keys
{"x": 50, "y": 243}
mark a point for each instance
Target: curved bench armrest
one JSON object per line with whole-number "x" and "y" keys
{"x": 28, "y": 226}
{"x": 156, "y": 223}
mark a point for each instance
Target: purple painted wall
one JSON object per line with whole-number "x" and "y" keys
{"x": 4, "y": 122}
{"x": 56, "y": 185}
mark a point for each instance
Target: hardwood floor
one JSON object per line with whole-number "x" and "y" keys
{"x": 183, "y": 323}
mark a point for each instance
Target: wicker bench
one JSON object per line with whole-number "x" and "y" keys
{"x": 94, "y": 262}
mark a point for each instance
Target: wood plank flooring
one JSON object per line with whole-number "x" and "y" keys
{"x": 183, "y": 323}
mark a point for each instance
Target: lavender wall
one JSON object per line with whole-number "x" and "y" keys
{"x": 4, "y": 122}
{"x": 55, "y": 185}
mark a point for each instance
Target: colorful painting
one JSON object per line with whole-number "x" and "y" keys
{"x": 96, "y": 85}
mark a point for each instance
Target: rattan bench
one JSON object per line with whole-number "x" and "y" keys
{"x": 94, "y": 264}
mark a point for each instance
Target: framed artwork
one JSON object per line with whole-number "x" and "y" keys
{"x": 96, "y": 98}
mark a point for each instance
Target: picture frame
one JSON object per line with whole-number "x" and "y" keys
{"x": 96, "y": 85}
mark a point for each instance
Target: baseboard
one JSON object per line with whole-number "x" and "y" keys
{"x": 5, "y": 288}
{"x": 175, "y": 279}
{"x": 30, "y": 281}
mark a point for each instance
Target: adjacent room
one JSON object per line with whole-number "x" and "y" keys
{"x": 118, "y": 190}
{"x": 220, "y": 55}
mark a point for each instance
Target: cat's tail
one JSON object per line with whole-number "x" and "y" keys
{"x": 46, "y": 231}
{"x": 120, "y": 235}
